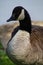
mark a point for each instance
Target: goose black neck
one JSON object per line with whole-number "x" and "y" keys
{"x": 25, "y": 25}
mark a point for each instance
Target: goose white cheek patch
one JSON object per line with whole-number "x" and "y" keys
{"x": 22, "y": 15}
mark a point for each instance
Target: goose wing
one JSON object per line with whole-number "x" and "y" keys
{"x": 37, "y": 37}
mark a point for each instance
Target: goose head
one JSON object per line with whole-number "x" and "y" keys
{"x": 19, "y": 13}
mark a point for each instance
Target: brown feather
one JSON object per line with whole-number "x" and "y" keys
{"x": 37, "y": 37}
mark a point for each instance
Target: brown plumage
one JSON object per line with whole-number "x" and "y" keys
{"x": 33, "y": 51}
{"x": 37, "y": 37}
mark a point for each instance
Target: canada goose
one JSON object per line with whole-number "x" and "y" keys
{"x": 26, "y": 43}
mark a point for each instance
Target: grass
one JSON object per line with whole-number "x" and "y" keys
{"x": 4, "y": 60}
{"x": 0, "y": 45}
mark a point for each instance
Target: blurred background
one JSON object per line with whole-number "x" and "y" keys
{"x": 34, "y": 7}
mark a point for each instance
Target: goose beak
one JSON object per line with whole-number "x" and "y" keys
{"x": 10, "y": 19}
